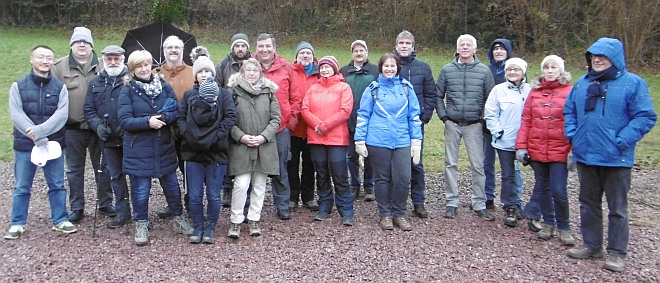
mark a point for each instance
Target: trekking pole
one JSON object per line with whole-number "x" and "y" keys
{"x": 98, "y": 176}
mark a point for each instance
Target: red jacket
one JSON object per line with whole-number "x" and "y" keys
{"x": 542, "y": 128}
{"x": 303, "y": 82}
{"x": 328, "y": 103}
{"x": 288, "y": 96}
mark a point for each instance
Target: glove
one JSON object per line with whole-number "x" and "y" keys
{"x": 361, "y": 148}
{"x": 416, "y": 150}
{"x": 103, "y": 131}
{"x": 571, "y": 164}
{"x": 520, "y": 155}
{"x": 498, "y": 136}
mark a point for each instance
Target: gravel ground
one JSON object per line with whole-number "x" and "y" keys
{"x": 465, "y": 249}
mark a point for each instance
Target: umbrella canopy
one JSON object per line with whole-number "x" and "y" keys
{"x": 151, "y": 37}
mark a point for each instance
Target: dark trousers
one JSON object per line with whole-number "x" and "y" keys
{"x": 301, "y": 182}
{"x": 112, "y": 157}
{"x": 392, "y": 171}
{"x": 78, "y": 142}
{"x": 330, "y": 166}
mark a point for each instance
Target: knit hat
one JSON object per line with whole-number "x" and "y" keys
{"x": 201, "y": 61}
{"x": 360, "y": 42}
{"x": 518, "y": 62}
{"x": 330, "y": 60}
{"x": 82, "y": 33}
{"x": 556, "y": 59}
{"x": 304, "y": 45}
{"x": 209, "y": 90}
{"x": 239, "y": 37}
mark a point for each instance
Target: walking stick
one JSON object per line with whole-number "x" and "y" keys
{"x": 98, "y": 176}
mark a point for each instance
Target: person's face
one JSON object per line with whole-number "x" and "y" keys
{"x": 143, "y": 70}
{"x": 81, "y": 49}
{"x": 404, "y": 47}
{"x": 42, "y": 60}
{"x": 600, "y": 62}
{"x": 326, "y": 71}
{"x": 551, "y": 71}
{"x": 359, "y": 54}
{"x": 252, "y": 73}
{"x": 113, "y": 64}
{"x": 203, "y": 75}
{"x": 240, "y": 50}
{"x": 389, "y": 68}
{"x": 466, "y": 49}
{"x": 305, "y": 57}
{"x": 514, "y": 73}
{"x": 265, "y": 51}
{"x": 499, "y": 54}
{"x": 173, "y": 52}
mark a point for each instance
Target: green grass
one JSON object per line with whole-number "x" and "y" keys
{"x": 17, "y": 43}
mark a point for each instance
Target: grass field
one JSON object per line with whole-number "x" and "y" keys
{"x": 17, "y": 43}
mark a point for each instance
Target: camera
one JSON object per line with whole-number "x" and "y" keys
{"x": 526, "y": 160}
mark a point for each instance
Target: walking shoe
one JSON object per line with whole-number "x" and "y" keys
{"x": 582, "y": 252}
{"x": 519, "y": 213}
{"x": 386, "y": 223}
{"x": 107, "y": 211}
{"x": 490, "y": 204}
{"x": 511, "y": 220}
{"x": 166, "y": 212}
{"x": 347, "y": 221}
{"x": 181, "y": 225}
{"x": 615, "y": 263}
{"x": 234, "y": 230}
{"x": 141, "y": 232}
{"x": 76, "y": 216}
{"x": 565, "y": 238}
{"x": 420, "y": 211}
{"x": 547, "y": 231}
{"x": 284, "y": 214}
{"x": 311, "y": 205}
{"x": 321, "y": 215}
{"x": 196, "y": 236}
{"x": 15, "y": 232}
{"x": 65, "y": 227}
{"x": 226, "y": 197}
{"x": 450, "y": 212}
{"x": 117, "y": 221}
{"x": 402, "y": 223}
{"x": 209, "y": 236}
{"x": 369, "y": 195}
{"x": 534, "y": 225}
{"x": 356, "y": 193}
{"x": 485, "y": 215}
{"x": 293, "y": 204}
{"x": 255, "y": 230}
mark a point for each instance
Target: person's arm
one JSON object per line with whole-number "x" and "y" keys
{"x": 414, "y": 122}
{"x": 340, "y": 117}
{"x": 275, "y": 120}
{"x": 229, "y": 114}
{"x": 640, "y": 109}
{"x": 91, "y": 115}
{"x": 56, "y": 121}
{"x": 489, "y": 83}
{"x": 305, "y": 113}
{"x": 430, "y": 93}
{"x": 441, "y": 87}
{"x": 21, "y": 121}
{"x": 170, "y": 115}
{"x": 492, "y": 116}
{"x": 364, "y": 113}
{"x": 127, "y": 120}
{"x": 525, "y": 124}
{"x": 295, "y": 99}
{"x": 182, "y": 113}
{"x": 570, "y": 115}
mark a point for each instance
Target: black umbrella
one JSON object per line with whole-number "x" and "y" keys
{"x": 151, "y": 37}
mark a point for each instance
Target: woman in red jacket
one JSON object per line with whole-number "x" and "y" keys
{"x": 542, "y": 142}
{"x": 326, "y": 108}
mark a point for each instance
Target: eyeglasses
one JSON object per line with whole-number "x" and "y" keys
{"x": 514, "y": 70}
{"x": 173, "y": 47}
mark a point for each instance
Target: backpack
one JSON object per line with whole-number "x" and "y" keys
{"x": 374, "y": 91}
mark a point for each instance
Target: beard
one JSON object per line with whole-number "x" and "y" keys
{"x": 115, "y": 70}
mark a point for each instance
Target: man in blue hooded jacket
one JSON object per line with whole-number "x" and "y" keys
{"x": 607, "y": 112}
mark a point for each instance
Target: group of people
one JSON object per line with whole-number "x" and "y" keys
{"x": 229, "y": 127}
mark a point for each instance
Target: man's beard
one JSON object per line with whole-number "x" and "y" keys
{"x": 114, "y": 71}
{"x": 174, "y": 58}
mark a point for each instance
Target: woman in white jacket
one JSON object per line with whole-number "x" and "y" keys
{"x": 503, "y": 112}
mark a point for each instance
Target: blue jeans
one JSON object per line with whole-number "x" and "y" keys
{"x": 551, "y": 177}
{"x": 614, "y": 182}
{"x": 113, "y": 162}
{"x": 330, "y": 164}
{"x": 417, "y": 183}
{"x": 392, "y": 171}
{"x": 489, "y": 171}
{"x": 280, "y": 184}
{"x": 77, "y": 142}
{"x": 197, "y": 176}
{"x": 508, "y": 195}
{"x": 354, "y": 168}
{"x": 532, "y": 208}
{"x": 302, "y": 183}
{"x": 24, "y": 171}
{"x": 141, "y": 187}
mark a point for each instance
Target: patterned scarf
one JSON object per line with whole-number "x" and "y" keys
{"x": 152, "y": 88}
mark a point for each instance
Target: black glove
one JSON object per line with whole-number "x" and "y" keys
{"x": 103, "y": 131}
{"x": 498, "y": 136}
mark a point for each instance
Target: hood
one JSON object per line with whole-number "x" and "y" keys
{"x": 563, "y": 79}
{"x": 507, "y": 45}
{"x": 233, "y": 82}
{"x": 611, "y": 48}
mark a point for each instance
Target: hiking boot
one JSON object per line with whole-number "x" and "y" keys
{"x": 321, "y": 215}
{"x": 293, "y": 204}
{"x": 76, "y": 216}
{"x": 311, "y": 205}
{"x": 209, "y": 236}
{"x": 511, "y": 220}
{"x": 565, "y": 238}
{"x": 347, "y": 221}
{"x": 369, "y": 195}
{"x": 141, "y": 232}
{"x": 255, "y": 230}
{"x": 547, "y": 231}
{"x": 181, "y": 225}
{"x": 485, "y": 215}
{"x": 14, "y": 232}
{"x": 196, "y": 236}
{"x": 356, "y": 193}
{"x": 490, "y": 204}
{"x": 108, "y": 211}
{"x": 420, "y": 211}
{"x": 165, "y": 213}
{"x": 534, "y": 225}
{"x": 402, "y": 223}
{"x": 226, "y": 197}
{"x": 582, "y": 252}
{"x": 615, "y": 263}
{"x": 450, "y": 212}
{"x": 386, "y": 223}
{"x": 65, "y": 227}
{"x": 284, "y": 214}
{"x": 234, "y": 230}
{"x": 117, "y": 222}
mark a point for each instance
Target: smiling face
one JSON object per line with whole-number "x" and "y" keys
{"x": 551, "y": 71}
{"x": 389, "y": 68}
{"x": 143, "y": 70}
{"x": 265, "y": 51}
{"x": 113, "y": 64}
{"x": 173, "y": 53}
{"x": 499, "y": 53}
{"x": 326, "y": 71}
{"x": 514, "y": 73}
{"x": 305, "y": 57}
{"x": 600, "y": 62}
{"x": 251, "y": 72}
{"x": 466, "y": 49}
{"x": 42, "y": 61}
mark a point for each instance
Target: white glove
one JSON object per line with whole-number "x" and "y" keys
{"x": 361, "y": 148}
{"x": 416, "y": 150}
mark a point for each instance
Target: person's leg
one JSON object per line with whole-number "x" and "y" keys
{"x": 257, "y": 195}
{"x": 307, "y": 177}
{"x": 401, "y": 173}
{"x": 239, "y": 196}
{"x": 489, "y": 167}
{"x": 473, "y": 137}
{"x": 339, "y": 173}
{"x": 293, "y": 168}
{"x": 381, "y": 159}
{"x": 519, "y": 183}
{"x": 75, "y": 154}
{"x": 324, "y": 186}
{"x": 452, "y": 142}
{"x": 616, "y": 185}
{"x": 140, "y": 187}
{"x": 113, "y": 158}
{"x": 24, "y": 171}
{"x": 558, "y": 180}
{"x": 215, "y": 174}
{"x": 280, "y": 184}
{"x": 542, "y": 175}
{"x": 368, "y": 177}
{"x": 353, "y": 161}
{"x": 508, "y": 193}
{"x": 195, "y": 175}
{"x": 54, "y": 175}
{"x": 417, "y": 183}
{"x": 591, "y": 213}
{"x": 104, "y": 188}
{"x": 170, "y": 183}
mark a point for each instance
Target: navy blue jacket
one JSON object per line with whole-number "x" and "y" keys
{"x": 498, "y": 67}
{"x": 102, "y": 98}
{"x": 420, "y": 75}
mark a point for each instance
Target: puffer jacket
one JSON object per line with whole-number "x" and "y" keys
{"x": 463, "y": 90}
{"x": 103, "y": 98}
{"x": 497, "y": 68}
{"x": 303, "y": 82}
{"x": 76, "y": 79}
{"x": 608, "y": 134}
{"x": 503, "y": 112}
{"x": 389, "y": 119}
{"x": 420, "y": 76}
{"x": 542, "y": 127}
{"x": 288, "y": 95}
{"x": 227, "y": 67}
{"x": 328, "y": 104}
{"x": 147, "y": 152}
{"x": 258, "y": 113}
{"x": 359, "y": 80}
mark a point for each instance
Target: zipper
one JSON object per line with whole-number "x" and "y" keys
{"x": 604, "y": 97}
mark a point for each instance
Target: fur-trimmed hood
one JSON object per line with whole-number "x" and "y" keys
{"x": 233, "y": 82}
{"x": 564, "y": 78}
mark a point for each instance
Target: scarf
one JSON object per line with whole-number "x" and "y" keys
{"x": 152, "y": 88}
{"x": 309, "y": 68}
{"x": 594, "y": 91}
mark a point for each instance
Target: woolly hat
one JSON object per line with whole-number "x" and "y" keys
{"x": 82, "y": 33}
{"x": 209, "y": 90}
{"x": 239, "y": 37}
{"x": 304, "y": 45}
{"x": 330, "y": 60}
{"x": 556, "y": 59}
{"x": 360, "y": 42}
{"x": 201, "y": 61}
{"x": 518, "y": 62}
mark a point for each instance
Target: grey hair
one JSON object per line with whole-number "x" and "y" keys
{"x": 171, "y": 40}
{"x": 265, "y": 36}
{"x": 468, "y": 37}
